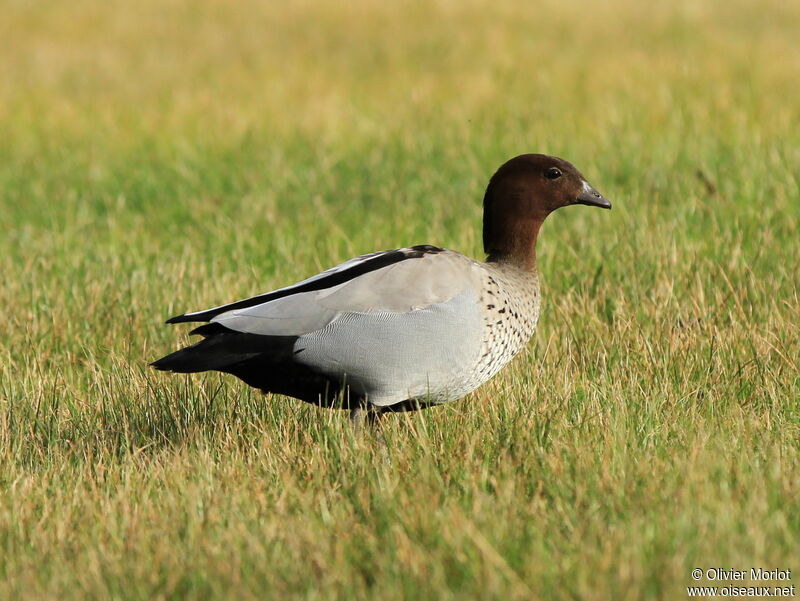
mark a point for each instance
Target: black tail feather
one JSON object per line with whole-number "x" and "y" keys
{"x": 221, "y": 349}
{"x": 264, "y": 362}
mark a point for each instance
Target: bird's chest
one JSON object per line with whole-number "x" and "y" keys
{"x": 509, "y": 312}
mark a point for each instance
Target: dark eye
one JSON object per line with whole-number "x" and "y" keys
{"x": 553, "y": 173}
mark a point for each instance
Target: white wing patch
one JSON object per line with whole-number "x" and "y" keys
{"x": 336, "y": 269}
{"x": 401, "y": 287}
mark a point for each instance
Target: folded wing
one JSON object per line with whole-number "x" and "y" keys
{"x": 419, "y": 281}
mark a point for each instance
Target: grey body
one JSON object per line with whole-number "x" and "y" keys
{"x": 430, "y": 329}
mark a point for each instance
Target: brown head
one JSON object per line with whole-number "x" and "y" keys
{"x": 521, "y": 195}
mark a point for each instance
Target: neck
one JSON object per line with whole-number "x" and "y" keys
{"x": 517, "y": 244}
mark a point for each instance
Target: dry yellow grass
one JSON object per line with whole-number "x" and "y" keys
{"x": 166, "y": 156}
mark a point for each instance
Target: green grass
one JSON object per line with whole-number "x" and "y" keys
{"x": 159, "y": 157}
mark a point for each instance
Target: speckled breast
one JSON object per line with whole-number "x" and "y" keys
{"x": 510, "y": 303}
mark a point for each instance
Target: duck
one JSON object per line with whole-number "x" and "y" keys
{"x": 401, "y": 329}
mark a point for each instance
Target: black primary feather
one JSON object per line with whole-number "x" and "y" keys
{"x": 383, "y": 259}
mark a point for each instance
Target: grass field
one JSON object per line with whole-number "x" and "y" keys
{"x": 158, "y": 157}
